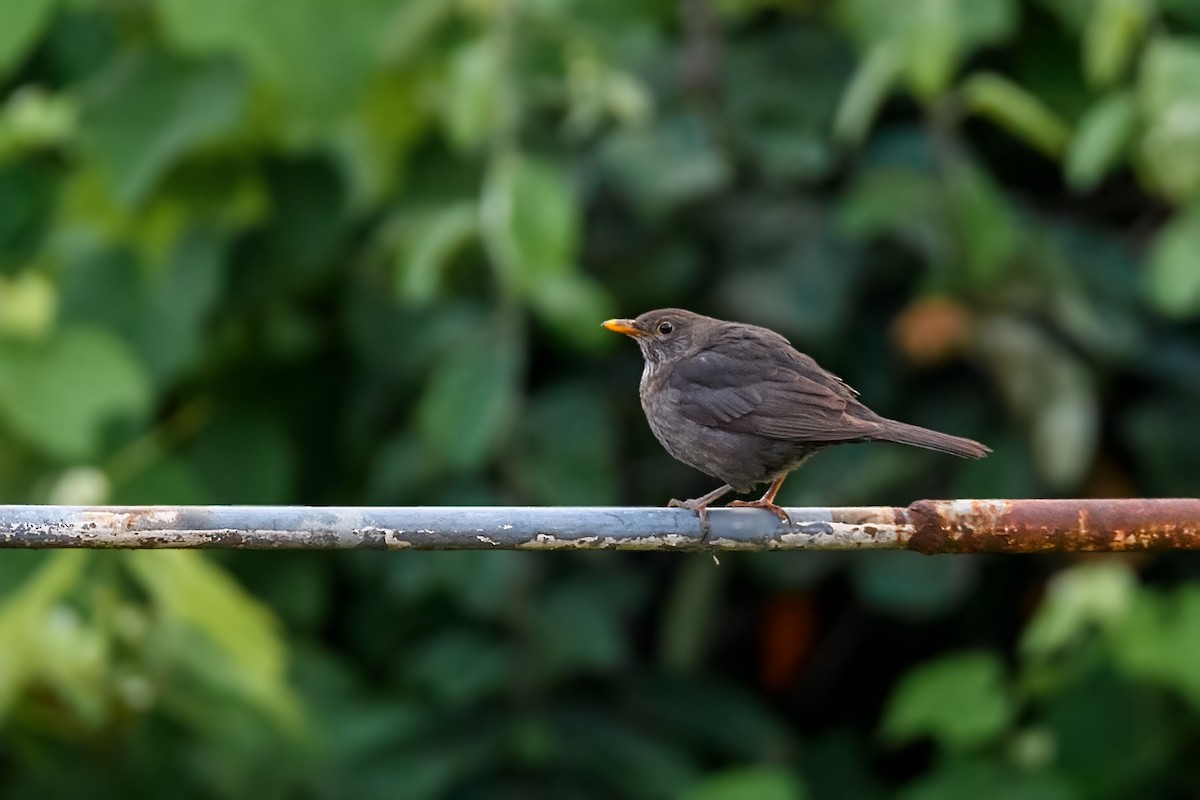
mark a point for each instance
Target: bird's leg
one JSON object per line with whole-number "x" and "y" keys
{"x": 700, "y": 506}
{"x": 767, "y": 501}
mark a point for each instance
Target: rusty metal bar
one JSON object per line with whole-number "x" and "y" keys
{"x": 927, "y": 526}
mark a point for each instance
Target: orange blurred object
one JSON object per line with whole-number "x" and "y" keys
{"x": 786, "y": 639}
{"x": 931, "y": 330}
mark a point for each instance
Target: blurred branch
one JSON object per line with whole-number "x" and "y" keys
{"x": 927, "y": 526}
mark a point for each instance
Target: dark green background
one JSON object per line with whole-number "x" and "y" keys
{"x": 306, "y": 251}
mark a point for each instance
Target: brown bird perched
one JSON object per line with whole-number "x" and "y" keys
{"x": 738, "y": 402}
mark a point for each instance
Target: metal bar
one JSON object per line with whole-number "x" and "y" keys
{"x": 927, "y": 526}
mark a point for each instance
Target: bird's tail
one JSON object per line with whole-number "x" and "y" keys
{"x": 917, "y": 436}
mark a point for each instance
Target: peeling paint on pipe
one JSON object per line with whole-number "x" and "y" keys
{"x": 928, "y": 526}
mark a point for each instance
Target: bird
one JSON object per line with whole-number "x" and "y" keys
{"x": 740, "y": 404}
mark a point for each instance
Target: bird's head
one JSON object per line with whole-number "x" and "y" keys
{"x": 662, "y": 334}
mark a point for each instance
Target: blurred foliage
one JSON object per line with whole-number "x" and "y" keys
{"x": 296, "y": 251}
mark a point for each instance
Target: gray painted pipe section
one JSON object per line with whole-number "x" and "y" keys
{"x": 447, "y": 528}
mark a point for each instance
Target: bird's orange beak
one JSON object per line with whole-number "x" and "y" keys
{"x": 624, "y": 326}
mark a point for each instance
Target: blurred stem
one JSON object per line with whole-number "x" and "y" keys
{"x": 501, "y": 37}
{"x": 942, "y": 120}
{"x": 502, "y": 146}
{"x": 687, "y": 618}
{"x": 494, "y": 211}
{"x": 703, "y": 66}
{"x": 151, "y": 446}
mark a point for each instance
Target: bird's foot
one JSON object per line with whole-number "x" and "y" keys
{"x": 766, "y": 505}
{"x": 700, "y": 506}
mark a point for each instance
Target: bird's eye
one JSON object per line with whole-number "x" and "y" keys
{"x": 665, "y": 327}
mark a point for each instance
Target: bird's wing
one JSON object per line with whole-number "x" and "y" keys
{"x": 751, "y": 380}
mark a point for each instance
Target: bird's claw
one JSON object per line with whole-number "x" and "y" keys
{"x": 701, "y": 510}
{"x": 766, "y": 505}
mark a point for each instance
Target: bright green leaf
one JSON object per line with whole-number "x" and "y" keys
{"x": 962, "y": 701}
{"x": 191, "y": 590}
{"x": 471, "y": 100}
{"x": 760, "y": 783}
{"x": 315, "y": 55}
{"x": 1169, "y": 101}
{"x": 1113, "y": 34}
{"x": 1087, "y": 595}
{"x": 930, "y": 38}
{"x": 1173, "y": 279}
{"x": 867, "y": 91}
{"x": 28, "y": 303}
{"x": 24, "y": 621}
{"x": 1015, "y": 109}
{"x": 59, "y": 394}
{"x": 21, "y": 22}
{"x": 1101, "y": 140}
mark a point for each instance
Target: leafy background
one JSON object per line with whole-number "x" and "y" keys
{"x": 297, "y": 251}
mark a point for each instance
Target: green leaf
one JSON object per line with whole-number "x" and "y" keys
{"x": 569, "y": 457}
{"x": 869, "y": 87}
{"x": 471, "y": 101}
{"x": 760, "y": 783}
{"x": 25, "y": 622}
{"x": 429, "y": 242}
{"x": 28, "y": 303}
{"x": 459, "y": 667}
{"x": 930, "y": 38}
{"x": 577, "y": 632}
{"x": 21, "y": 23}
{"x": 570, "y": 305}
{"x": 1051, "y": 391}
{"x": 1173, "y": 280}
{"x": 1113, "y": 34}
{"x": 1076, "y": 600}
{"x": 147, "y": 112}
{"x": 912, "y": 586}
{"x": 978, "y": 779}
{"x": 414, "y": 21}
{"x": 263, "y": 473}
{"x": 188, "y": 589}
{"x": 1102, "y": 138}
{"x": 987, "y": 234}
{"x": 901, "y": 202}
{"x": 1085, "y": 725}
{"x": 314, "y": 55}
{"x": 163, "y": 311}
{"x": 962, "y": 701}
{"x": 664, "y": 166}
{"x": 1159, "y": 640}
{"x": 60, "y": 394}
{"x": 467, "y": 405}
{"x": 1169, "y": 99}
{"x": 530, "y": 220}
{"x": 1015, "y": 109}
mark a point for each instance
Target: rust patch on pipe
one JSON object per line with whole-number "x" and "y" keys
{"x": 1042, "y": 526}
